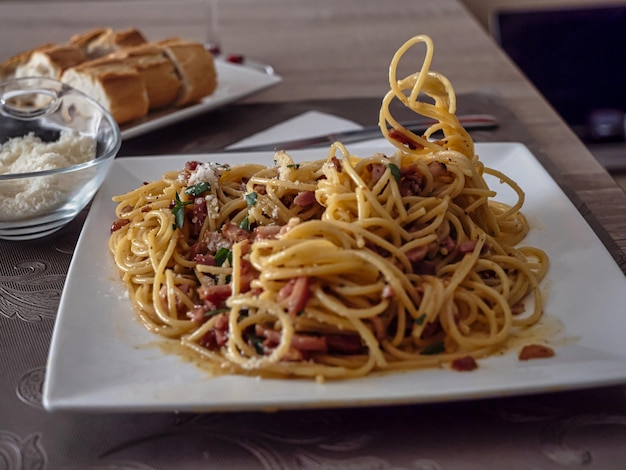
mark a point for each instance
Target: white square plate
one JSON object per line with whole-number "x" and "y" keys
{"x": 102, "y": 359}
{"x": 234, "y": 82}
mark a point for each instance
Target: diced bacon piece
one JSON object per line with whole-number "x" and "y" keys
{"x": 379, "y": 328}
{"x": 344, "y": 344}
{"x": 378, "y": 170}
{"x": 234, "y": 233}
{"x": 272, "y": 337}
{"x": 299, "y": 341}
{"x": 199, "y": 214}
{"x": 198, "y": 248}
{"x": 219, "y": 292}
{"x": 296, "y": 294}
{"x": 221, "y": 321}
{"x": 196, "y": 314}
{"x": 310, "y": 343}
{"x": 209, "y": 341}
{"x": 221, "y": 336}
{"x": 287, "y": 199}
{"x": 535, "y": 351}
{"x": 266, "y": 232}
{"x": 437, "y": 169}
{"x": 464, "y": 364}
{"x": 305, "y": 198}
{"x": 395, "y": 134}
{"x": 518, "y": 308}
{"x": 411, "y": 181}
{"x": 217, "y": 336}
{"x": 191, "y": 165}
{"x": 215, "y": 296}
{"x": 417, "y": 254}
{"x": 466, "y": 246}
{"x": 248, "y": 274}
{"x": 186, "y": 172}
{"x": 448, "y": 243}
{"x": 303, "y": 344}
{"x": 206, "y": 260}
{"x": 118, "y": 224}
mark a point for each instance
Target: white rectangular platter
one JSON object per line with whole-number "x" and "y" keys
{"x": 234, "y": 82}
{"x": 102, "y": 359}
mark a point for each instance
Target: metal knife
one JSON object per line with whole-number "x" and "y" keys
{"x": 468, "y": 121}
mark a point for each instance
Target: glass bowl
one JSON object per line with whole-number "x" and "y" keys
{"x": 57, "y": 147}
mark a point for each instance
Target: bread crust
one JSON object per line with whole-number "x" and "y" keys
{"x": 114, "y": 84}
{"x": 9, "y": 65}
{"x": 195, "y": 66}
{"x": 156, "y": 70}
{"x": 111, "y": 40}
{"x": 83, "y": 40}
{"x": 51, "y": 61}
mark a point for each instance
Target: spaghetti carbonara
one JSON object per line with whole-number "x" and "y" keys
{"x": 337, "y": 267}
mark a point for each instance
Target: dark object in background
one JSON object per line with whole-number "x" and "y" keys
{"x": 576, "y": 57}
{"x": 606, "y": 125}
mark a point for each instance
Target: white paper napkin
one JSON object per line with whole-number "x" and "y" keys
{"x": 308, "y": 124}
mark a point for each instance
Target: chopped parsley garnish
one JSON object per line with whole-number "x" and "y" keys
{"x": 395, "y": 170}
{"x": 223, "y": 255}
{"x": 217, "y": 311}
{"x": 295, "y": 166}
{"x": 432, "y": 349}
{"x": 179, "y": 211}
{"x": 256, "y": 340}
{"x": 420, "y": 320}
{"x": 245, "y": 224}
{"x": 197, "y": 189}
{"x": 251, "y": 198}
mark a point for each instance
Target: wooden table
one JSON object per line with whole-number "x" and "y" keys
{"x": 330, "y": 54}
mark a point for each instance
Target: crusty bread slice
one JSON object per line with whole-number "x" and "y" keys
{"x": 111, "y": 40}
{"x": 9, "y": 65}
{"x": 157, "y": 71}
{"x": 84, "y": 39}
{"x": 116, "y": 85}
{"x": 195, "y": 66}
{"x": 51, "y": 61}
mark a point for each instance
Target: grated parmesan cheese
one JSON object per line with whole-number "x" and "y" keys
{"x": 30, "y": 153}
{"x": 212, "y": 206}
{"x": 37, "y": 196}
{"x": 205, "y": 173}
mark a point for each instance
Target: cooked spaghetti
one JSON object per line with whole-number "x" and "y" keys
{"x": 341, "y": 266}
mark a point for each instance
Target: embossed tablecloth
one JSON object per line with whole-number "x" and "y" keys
{"x": 574, "y": 429}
